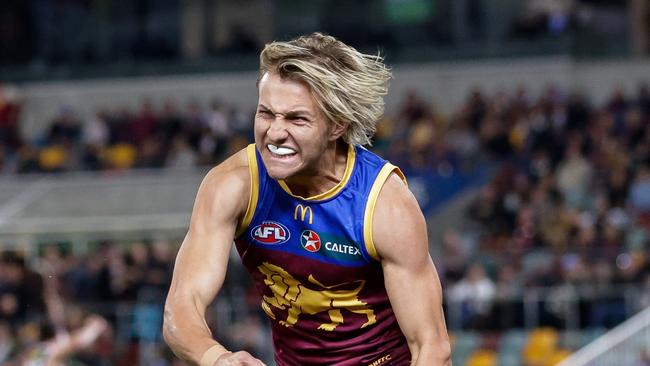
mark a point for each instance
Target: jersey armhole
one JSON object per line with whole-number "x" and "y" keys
{"x": 254, "y": 190}
{"x": 369, "y": 214}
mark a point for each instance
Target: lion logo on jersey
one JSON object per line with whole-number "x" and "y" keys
{"x": 290, "y": 293}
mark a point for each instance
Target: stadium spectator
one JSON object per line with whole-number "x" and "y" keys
{"x": 21, "y": 290}
{"x": 10, "y": 108}
{"x": 94, "y": 138}
{"x": 475, "y": 293}
{"x": 639, "y": 196}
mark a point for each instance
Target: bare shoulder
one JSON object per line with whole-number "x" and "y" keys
{"x": 395, "y": 200}
{"x": 226, "y": 187}
{"x": 234, "y": 170}
{"x": 398, "y": 222}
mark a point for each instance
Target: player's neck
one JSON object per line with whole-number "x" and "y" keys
{"x": 326, "y": 174}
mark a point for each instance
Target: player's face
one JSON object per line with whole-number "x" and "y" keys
{"x": 291, "y": 132}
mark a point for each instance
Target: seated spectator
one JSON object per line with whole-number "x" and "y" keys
{"x": 475, "y": 293}
{"x": 639, "y": 196}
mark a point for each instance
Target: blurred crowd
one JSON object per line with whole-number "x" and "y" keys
{"x": 121, "y": 138}
{"x": 121, "y": 284}
{"x": 124, "y": 285}
{"x": 567, "y": 212}
{"x": 562, "y": 224}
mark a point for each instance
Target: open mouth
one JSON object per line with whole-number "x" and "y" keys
{"x": 280, "y": 151}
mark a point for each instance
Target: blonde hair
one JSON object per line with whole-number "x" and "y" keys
{"x": 347, "y": 85}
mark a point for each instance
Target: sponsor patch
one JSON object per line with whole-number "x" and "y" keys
{"x": 310, "y": 241}
{"x": 270, "y": 233}
{"x": 330, "y": 246}
{"x": 342, "y": 248}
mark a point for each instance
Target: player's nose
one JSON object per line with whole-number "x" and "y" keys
{"x": 277, "y": 130}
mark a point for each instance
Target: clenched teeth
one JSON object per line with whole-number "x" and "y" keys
{"x": 279, "y": 150}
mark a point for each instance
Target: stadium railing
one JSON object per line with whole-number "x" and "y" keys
{"x": 626, "y": 344}
{"x": 36, "y": 208}
{"x": 567, "y": 307}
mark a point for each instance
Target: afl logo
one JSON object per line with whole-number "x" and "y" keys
{"x": 270, "y": 232}
{"x": 310, "y": 241}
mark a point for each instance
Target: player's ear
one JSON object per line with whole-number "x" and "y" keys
{"x": 338, "y": 130}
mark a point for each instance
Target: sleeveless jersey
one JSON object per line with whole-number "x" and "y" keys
{"x": 316, "y": 268}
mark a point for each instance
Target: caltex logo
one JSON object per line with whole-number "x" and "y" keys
{"x": 310, "y": 241}
{"x": 270, "y": 232}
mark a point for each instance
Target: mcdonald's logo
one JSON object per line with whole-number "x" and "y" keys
{"x": 304, "y": 210}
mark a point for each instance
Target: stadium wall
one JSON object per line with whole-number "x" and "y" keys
{"x": 446, "y": 85}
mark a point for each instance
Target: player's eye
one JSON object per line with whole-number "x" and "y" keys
{"x": 264, "y": 114}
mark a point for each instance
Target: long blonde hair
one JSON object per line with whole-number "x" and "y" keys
{"x": 348, "y": 86}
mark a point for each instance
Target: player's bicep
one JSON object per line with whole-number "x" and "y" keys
{"x": 399, "y": 228}
{"x": 412, "y": 284}
{"x": 202, "y": 260}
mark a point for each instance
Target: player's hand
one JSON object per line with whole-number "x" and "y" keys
{"x": 240, "y": 358}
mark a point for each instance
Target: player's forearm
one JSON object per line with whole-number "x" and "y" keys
{"x": 437, "y": 353}
{"x": 188, "y": 335}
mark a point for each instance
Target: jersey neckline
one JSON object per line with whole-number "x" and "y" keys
{"x": 349, "y": 166}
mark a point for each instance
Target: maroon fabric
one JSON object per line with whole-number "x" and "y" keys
{"x": 303, "y": 343}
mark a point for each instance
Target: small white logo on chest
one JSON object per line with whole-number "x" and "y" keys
{"x": 342, "y": 248}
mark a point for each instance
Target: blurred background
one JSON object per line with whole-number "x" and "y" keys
{"x": 522, "y": 126}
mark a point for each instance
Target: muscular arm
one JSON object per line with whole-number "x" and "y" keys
{"x": 411, "y": 279}
{"x": 202, "y": 260}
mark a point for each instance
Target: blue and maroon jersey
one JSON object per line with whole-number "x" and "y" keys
{"x": 315, "y": 266}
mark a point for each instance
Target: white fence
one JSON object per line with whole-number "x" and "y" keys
{"x": 622, "y": 346}
{"x": 79, "y": 207}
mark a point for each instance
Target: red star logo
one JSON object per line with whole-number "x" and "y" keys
{"x": 310, "y": 241}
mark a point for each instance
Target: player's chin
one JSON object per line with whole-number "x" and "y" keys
{"x": 280, "y": 172}
{"x": 281, "y": 167}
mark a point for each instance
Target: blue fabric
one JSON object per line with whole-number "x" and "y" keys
{"x": 337, "y": 220}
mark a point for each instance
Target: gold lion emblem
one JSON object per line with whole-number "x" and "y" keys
{"x": 290, "y": 293}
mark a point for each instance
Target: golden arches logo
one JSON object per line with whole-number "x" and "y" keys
{"x": 304, "y": 210}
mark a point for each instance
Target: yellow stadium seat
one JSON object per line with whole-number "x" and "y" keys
{"x": 52, "y": 157}
{"x": 557, "y": 356}
{"x": 482, "y": 357}
{"x": 540, "y": 344}
{"x": 121, "y": 156}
